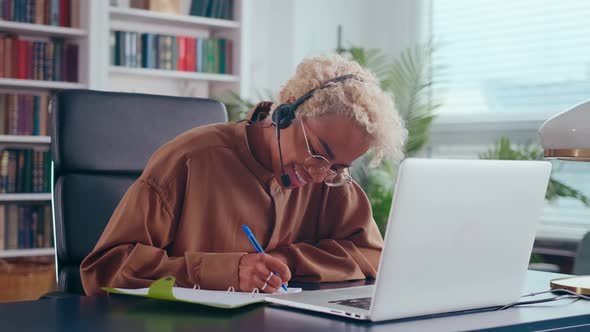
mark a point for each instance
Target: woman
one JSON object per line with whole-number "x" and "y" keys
{"x": 184, "y": 215}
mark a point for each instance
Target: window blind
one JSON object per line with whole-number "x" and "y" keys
{"x": 511, "y": 57}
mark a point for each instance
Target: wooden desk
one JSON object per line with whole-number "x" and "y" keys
{"x": 128, "y": 314}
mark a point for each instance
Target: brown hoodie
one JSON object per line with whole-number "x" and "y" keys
{"x": 183, "y": 217}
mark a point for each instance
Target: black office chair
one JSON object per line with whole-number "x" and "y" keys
{"x": 100, "y": 143}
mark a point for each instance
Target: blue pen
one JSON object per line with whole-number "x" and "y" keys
{"x": 257, "y": 246}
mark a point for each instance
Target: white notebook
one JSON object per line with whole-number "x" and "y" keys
{"x": 164, "y": 289}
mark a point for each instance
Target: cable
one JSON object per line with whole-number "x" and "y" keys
{"x": 570, "y": 295}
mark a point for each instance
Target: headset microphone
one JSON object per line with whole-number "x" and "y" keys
{"x": 286, "y": 180}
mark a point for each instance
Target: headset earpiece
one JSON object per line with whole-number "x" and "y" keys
{"x": 283, "y": 116}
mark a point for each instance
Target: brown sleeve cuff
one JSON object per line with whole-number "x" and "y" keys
{"x": 218, "y": 270}
{"x": 282, "y": 254}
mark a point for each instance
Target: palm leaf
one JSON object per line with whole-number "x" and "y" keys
{"x": 237, "y": 107}
{"x": 373, "y": 59}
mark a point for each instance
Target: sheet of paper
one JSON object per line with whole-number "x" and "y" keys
{"x": 215, "y": 298}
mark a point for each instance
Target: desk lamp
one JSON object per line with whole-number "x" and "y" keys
{"x": 566, "y": 136}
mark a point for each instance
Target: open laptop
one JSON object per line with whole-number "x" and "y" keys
{"x": 459, "y": 237}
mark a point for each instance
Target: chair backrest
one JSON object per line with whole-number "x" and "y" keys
{"x": 582, "y": 262}
{"x": 100, "y": 143}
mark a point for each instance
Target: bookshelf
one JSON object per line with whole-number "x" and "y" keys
{"x": 34, "y": 81}
{"x": 95, "y": 70}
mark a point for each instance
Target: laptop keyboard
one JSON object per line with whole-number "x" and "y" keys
{"x": 361, "y": 302}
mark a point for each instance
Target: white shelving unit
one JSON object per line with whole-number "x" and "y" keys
{"x": 27, "y": 252}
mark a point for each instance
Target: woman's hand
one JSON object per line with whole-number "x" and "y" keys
{"x": 256, "y": 271}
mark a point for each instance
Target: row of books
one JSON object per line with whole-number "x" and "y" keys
{"x": 24, "y": 114}
{"x": 54, "y": 60}
{"x": 25, "y": 226}
{"x": 146, "y": 50}
{"x": 65, "y": 13}
{"x": 25, "y": 171}
{"x": 222, "y": 9}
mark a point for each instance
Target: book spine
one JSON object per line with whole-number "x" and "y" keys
{"x": 113, "y": 47}
{"x": 181, "y": 52}
{"x": 138, "y": 50}
{"x": 71, "y": 61}
{"x": 20, "y": 171}
{"x": 54, "y": 12}
{"x": 75, "y": 13}
{"x": 35, "y": 130}
{"x": 43, "y": 115}
{"x": 2, "y": 226}
{"x": 200, "y": 61}
{"x": 13, "y": 219}
{"x": 221, "y": 56}
{"x": 4, "y": 170}
{"x": 12, "y": 171}
{"x": 229, "y": 56}
{"x": 39, "y": 11}
{"x": 64, "y": 13}
{"x": 191, "y": 52}
{"x": 173, "y": 53}
{"x": 2, "y": 57}
{"x": 3, "y": 115}
{"x": 21, "y": 60}
{"x": 128, "y": 62}
{"x": 132, "y": 49}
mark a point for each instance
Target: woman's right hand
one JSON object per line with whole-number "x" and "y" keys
{"x": 257, "y": 269}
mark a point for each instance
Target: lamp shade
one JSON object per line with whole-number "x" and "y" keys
{"x": 567, "y": 135}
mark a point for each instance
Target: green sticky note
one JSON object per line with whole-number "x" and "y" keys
{"x": 162, "y": 289}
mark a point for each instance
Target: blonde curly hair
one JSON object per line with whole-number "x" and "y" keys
{"x": 361, "y": 100}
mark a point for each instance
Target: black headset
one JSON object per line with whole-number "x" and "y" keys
{"x": 284, "y": 114}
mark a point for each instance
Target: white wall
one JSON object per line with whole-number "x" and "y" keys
{"x": 280, "y": 33}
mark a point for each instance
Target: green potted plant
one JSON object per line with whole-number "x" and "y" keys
{"x": 408, "y": 79}
{"x": 504, "y": 150}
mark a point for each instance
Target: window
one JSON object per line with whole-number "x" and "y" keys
{"x": 508, "y": 61}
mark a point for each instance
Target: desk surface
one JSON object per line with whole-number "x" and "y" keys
{"x": 129, "y": 314}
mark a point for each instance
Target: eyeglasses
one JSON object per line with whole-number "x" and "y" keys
{"x": 318, "y": 165}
